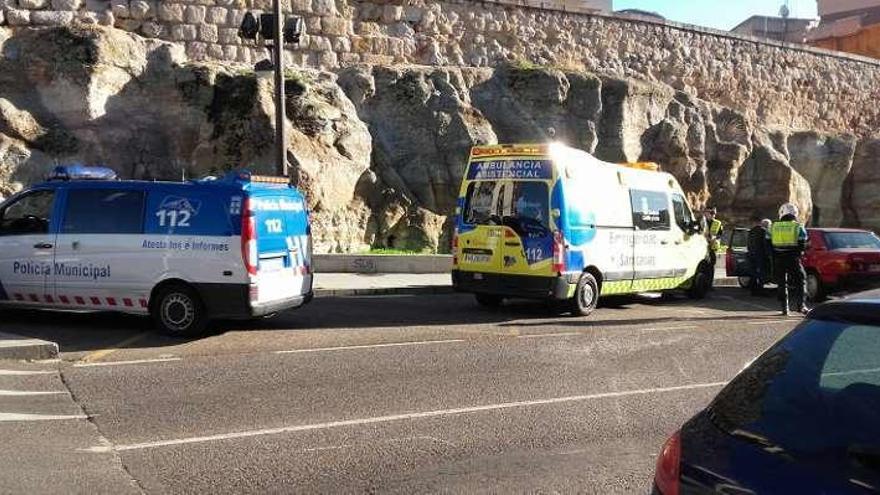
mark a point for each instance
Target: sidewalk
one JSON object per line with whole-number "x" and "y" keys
{"x": 373, "y": 284}
{"x": 17, "y": 347}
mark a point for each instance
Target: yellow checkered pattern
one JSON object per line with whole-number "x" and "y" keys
{"x": 647, "y": 285}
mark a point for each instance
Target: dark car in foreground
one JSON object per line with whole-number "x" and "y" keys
{"x": 803, "y": 418}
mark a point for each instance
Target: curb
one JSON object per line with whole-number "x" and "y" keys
{"x": 386, "y": 291}
{"x": 20, "y": 348}
{"x": 724, "y": 282}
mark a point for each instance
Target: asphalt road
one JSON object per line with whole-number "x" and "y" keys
{"x": 384, "y": 394}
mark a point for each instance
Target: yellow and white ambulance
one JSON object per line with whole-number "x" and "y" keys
{"x": 553, "y": 222}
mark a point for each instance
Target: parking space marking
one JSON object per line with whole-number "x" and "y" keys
{"x": 769, "y": 322}
{"x": 24, "y": 373}
{"x": 123, "y": 363}
{"x": 544, "y": 335}
{"x": 403, "y": 417}
{"x": 4, "y": 417}
{"x": 22, "y": 393}
{"x": 371, "y": 346}
{"x": 96, "y": 355}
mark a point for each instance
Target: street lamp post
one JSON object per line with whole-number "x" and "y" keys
{"x": 272, "y": 27}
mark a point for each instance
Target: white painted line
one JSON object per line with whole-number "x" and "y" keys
{"x": 372, "y": 346}
{"x": 768, "y": 322}
{"x": 402, "y": 417}
{"x": 122, "y": 363}
{"x": 24, "y": 373}
{"x": 37, "y": 417}
{"x": 14, "y": 393}
{"x": 542, "y": 335}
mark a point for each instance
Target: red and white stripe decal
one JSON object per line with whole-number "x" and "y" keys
{"x": 82, "y": 300}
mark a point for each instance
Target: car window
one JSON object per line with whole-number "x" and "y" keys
{"x": 816, "y": 393}
{"x": 739, "y": 238}
{"x": 852, "y": 240}
{"x": 531, "y": 202}
{"x": 104, "y": 211}
{"x": 650, "y": 210}
{"x": 483, "y": 201}
{"x": 683, "y": 216}
{"x": 28, "y": 215}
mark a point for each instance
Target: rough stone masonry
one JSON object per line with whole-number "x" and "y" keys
{"x": 391, "y": 95}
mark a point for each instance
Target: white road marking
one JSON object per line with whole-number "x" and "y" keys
{"x": 542, "y": 335}
{"x": 24, "y": 373}
{"x": 767, "y": 322}
{"x": 37, "y": 417}
{"x": 13, "y": 393}
{"x": 122, "y": 363}
{"x": 371, "y": 346}
{"x": 402, "y": 417}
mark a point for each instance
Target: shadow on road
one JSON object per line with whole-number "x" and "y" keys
{"x": 77, "y": 332}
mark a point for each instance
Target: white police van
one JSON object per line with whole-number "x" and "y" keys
{"x": 237, "y": 247}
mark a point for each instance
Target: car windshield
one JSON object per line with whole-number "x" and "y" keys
{"x": 815, "y": 394}
{"x": 852, "y": 240}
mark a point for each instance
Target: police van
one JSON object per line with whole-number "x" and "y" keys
{"x": 184, "y": 252}
{"x": 553, "y": 222}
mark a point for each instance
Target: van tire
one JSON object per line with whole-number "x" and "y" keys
{"x": 586, "y": 296}
{"x": 178, "y": 311}
{"x": 702, "y": 283}
{"x": 489, "y": 300}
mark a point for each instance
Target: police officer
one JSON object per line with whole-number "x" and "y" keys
{"x": 789, "y": 240}
{"x": 714, "y": 230}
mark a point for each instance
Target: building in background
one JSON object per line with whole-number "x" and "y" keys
{"x": 640, "y": 14}
{"x": 849, "y": 26}
{"x": 585, "y": 6}
{"x": 776, "y": 28}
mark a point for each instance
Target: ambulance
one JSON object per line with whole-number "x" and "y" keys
{"x": 553, "y": 222}
{"x": 236, "y": 247}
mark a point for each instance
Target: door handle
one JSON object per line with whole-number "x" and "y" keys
{"x": 43, "y": 245}
{"x": 664, "y": 242}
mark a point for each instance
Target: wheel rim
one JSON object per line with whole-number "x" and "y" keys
{"x": 812, "y": 286}
{"x": 745, "y": 281}
{"x": 178, "y": 311}
{"x": 588, "y": 295}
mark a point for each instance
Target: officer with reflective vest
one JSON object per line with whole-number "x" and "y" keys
{"x": 714, "y": 231}
{"x": 789, "y": 240}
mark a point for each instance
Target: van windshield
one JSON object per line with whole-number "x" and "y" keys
{"x": 522, "y": 205}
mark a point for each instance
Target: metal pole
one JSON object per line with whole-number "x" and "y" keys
{"x": 280, "y": 117}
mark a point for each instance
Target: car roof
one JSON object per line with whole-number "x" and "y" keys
{"x": 863, "y": 307}
{"x": 836, "y": 229}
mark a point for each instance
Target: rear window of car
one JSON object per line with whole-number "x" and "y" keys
{"x": 739, "y": 238}
{"x": 852, "y": 240}
{"x": 816, "y": 393}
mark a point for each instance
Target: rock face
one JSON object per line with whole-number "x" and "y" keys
{"x": 380, "y": 150}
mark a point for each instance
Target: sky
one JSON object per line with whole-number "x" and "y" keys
{"x": 719, "y": 14}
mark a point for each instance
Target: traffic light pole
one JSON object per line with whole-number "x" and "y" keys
{"x": 280, "y": 110}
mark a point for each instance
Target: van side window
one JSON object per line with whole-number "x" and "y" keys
{"x": 104, "y": 211}
{"x": 650, "y": 210}
{"x": 28, "y": 215}
{"x": 683, "y": 216}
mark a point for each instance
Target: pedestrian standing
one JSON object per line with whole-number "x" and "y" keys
{"x": 760, "y": 256}
{"x": 789, "y": 240}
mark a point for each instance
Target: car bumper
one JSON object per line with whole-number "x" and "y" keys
{"x": 232, "y": 301}
{"x": 858, "y": 282}
{"x": 268, "y": 308}
{"x": 524, "y": 286}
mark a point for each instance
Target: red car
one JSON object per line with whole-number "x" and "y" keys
{"x": 836, "y": 260}
{"x": 841, "y": 259}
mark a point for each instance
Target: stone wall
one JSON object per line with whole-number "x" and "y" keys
{"x": 787, "y": 86}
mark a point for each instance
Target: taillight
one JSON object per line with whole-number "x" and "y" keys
{"x": 667, "y": 477}
{"x": 455, "y": 247}
{"x": 729, "y": 262}
{"x": 558, "y": 252}
{"x": 248, "y": 237}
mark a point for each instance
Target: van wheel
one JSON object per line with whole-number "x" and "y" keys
{"x": 586, "y": 296}
{"x": 815, "y": 288}
{"x": 489, "y": 300}
{"x": 744, "y": 282}
{"x": 702, "y": 283}
{"x": 178, "y": 311}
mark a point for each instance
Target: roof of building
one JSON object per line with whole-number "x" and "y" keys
{"x": 640, "y": 12}
{"x": 792, "y": 21}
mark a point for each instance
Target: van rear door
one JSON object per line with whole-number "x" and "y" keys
{"x": 480, "y": 231}
{"x": 283, "y": 244}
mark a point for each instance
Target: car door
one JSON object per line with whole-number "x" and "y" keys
{"x": 27, "y": 248}
{"x": 96, "y": 260}
{"x": 656, "y": 263}
{"x": 480, "y": 232}
{"x": 528, "y": 239}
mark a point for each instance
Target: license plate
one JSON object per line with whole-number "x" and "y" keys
{"x": 272, "y": 264}
{"x": 477, "y": 258}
